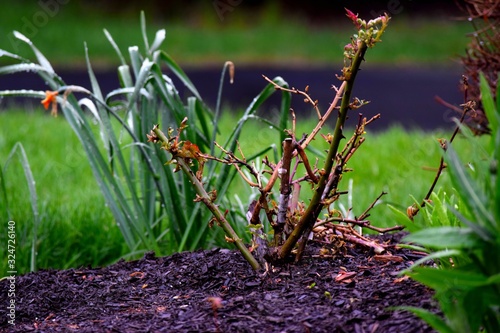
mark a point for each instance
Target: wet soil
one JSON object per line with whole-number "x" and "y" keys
{"x": 217, "y": 291}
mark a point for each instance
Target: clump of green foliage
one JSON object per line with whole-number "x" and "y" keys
{"x": 465, "y": 245}
{"x": 154, "y": 207}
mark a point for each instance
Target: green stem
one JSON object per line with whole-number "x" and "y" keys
{"x": 205, "y": 198}
{"x": 315, "y": 207}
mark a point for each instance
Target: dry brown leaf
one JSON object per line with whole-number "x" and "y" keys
{"x": 345, "y": 277}
{"x": 137, "y": 275}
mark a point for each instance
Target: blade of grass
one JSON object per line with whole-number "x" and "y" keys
{"x": 217, "y": 105}
{"x": 8, "y": 54}
{"x": 115, "y": 47}
{"x": 30, "y": 180}
{"x": 135, "y": 59}
{"x": 162, "y": 57}
{"x": 144, "y": 32}
{"x": 159, "y": 38}
{"x": 40, "y": 57}
{"x": 432, "y": 319}
{"x": 488, "y": 103}
{"x": 467, "y": 187}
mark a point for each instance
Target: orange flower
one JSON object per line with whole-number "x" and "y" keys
{"x": 50, "y": 98}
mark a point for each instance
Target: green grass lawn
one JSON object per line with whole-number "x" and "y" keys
{"x": 77, "y": 228}
{"x": 260, "y": 38}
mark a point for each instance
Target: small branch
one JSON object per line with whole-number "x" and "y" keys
{"x": 333, "y": 105}
{"x": 352, "y": 236}
{"x": 413, "y": 210}
{"x": 377, "y": 248}
{"x": 448, "y": 105}
{"x": 340, "y": 219}
{"x": 254, "y": 209}
{"x": 372, "y": 119}
{"x": 244, "y": 177}
{"x": 231, "y": 159}
{"x": 322, "y": 119}
{"x": 384, "y": 230}
{"x": 259, "y": 205}
{"x": 293, "y": 90}
{"x": 355, "y": 141}
{"x": 362, "y": 223}
{"x": 305, "y": 160}
{"x": 293, "y": 171}
{"x": 365, "y": 214}
{"x": 273, "y": 178}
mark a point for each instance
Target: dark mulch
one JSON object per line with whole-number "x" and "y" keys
{"x": 348, "y": 292}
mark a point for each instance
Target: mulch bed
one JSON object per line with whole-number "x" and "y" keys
{"x": 217, "y": 291}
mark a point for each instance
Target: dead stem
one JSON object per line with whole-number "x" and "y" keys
{"x": 366, "y": 213}
{"x": 307, "y": 165}
{"x": 322, "y": 119}
{"x": 362, "y": 223}
{"x": 307, "y": 98}
{"x": 352, "y": 236}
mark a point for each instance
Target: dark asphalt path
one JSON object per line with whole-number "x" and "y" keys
{"x": 403, "y": 95}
